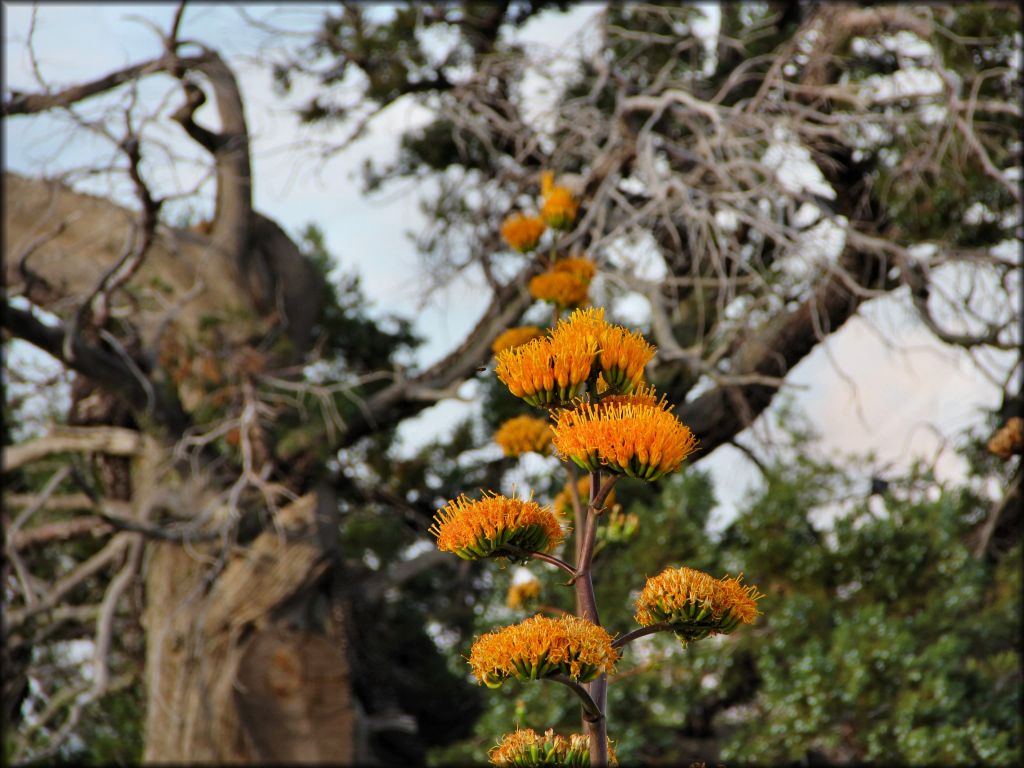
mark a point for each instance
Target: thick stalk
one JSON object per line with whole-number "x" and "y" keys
{"x": 581, "y": 517}
{"x": 598, "y": 729}
{"x": 597, "y": 725}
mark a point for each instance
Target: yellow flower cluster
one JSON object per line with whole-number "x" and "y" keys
{"x": 638, "y": 440}
{"x": 540, "y": 647}
{"x": 558, "y": 288}
{"x": 522, "y": 232}
{"x": 551, "y": 369}
{"x": 523, "y": 434}
{"x": 514, "y": 337}
{"x": 559, "y": 206}
{"x": 528, "y": 749}
{"x": 522, "y": 592}
{"x": 696, "y": 604}
{"x": 494, "y": 526}
{"x": 565, "y": 284}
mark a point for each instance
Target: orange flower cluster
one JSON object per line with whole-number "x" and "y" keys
{"x": 696, "y": 604}
{"x": 546, "y": 371}
{"x": 563, "y": 289}
{"x": 528, "y": 749}
{"x": 1009, "y": 439}
{"x": 623, "y": 357}
{"x": 540, "y": 647}
{"x": 586, "y": 323}
{"x": 522, "y": 232}
{"x": 566, "y": 283}
{"x": 637, "y": 440}
{"x": 580, "y": 266}
{"x": 523, "y": 434}
{"x": 551, "y": 370}
{"x": 513, "y": 337}
{"x": 559, "y": 206}
{"x": 623, "y": 354}
{"x": 495, "y": 526}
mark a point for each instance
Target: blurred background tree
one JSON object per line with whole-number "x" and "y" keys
{"x": 220, "y": 553}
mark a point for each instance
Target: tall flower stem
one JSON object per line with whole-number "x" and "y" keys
{"x": 597, "y": 724}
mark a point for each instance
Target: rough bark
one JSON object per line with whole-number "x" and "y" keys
{"x": 58, "y": 243}
{"x": 232, "y": 677}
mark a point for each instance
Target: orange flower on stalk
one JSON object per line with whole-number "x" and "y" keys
{"x": 541, "y": 647}
{"x": 495, "y": 526}
{"x": 544, "y": 372}
{"x": 566, "y": 283}
{"x": 563, "y": 289}
{"x": 695, "y": 603}
{"x": 523, "y": 434}
{"x": 642, "y": 441}
{"x": 513, "y": 337}
{"x": 559, "y": 206}
{"x": 624, "y": 355}
{"x": 528, "y": 749}
{"x": 522, "y": 232}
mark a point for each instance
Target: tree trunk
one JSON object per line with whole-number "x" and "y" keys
{"x": 246, "y": 657}
{"x": 235, "y": 671}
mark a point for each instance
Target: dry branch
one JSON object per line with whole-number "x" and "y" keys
{"x": 116, "y": 441}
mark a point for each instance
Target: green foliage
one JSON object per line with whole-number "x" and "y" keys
{"x": 113, "y": 733}
{"x": 352, "y": 337}
{"x": 887, "y": 640}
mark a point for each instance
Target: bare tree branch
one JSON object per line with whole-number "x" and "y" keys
{"x": 32, "y": 103}
{"x": 116, "y": 441}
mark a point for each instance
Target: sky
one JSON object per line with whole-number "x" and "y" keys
{"x": 905, "y": 398}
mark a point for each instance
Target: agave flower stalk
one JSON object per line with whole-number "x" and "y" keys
{"x": 604, "y": 419}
